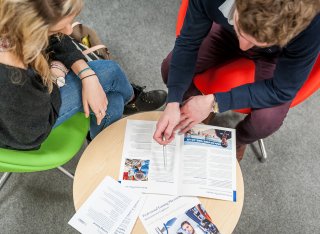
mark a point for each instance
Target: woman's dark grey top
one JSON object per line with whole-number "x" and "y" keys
{"x": 27, "y": 110}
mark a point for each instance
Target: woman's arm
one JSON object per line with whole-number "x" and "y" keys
{"x": 61, "y": 48}
{"x": 93, "y": 95}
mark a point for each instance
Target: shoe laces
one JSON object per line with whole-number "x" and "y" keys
{"x": 146, "y": 97}
{"x": 138, "y": 89}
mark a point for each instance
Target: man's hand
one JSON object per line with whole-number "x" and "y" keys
{"x": 194, "y": 111}
{"x": 167, "y": 122}
{"x": 94, "y": 97}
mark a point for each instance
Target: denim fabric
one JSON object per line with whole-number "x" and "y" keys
{"x": 115, "y": 84}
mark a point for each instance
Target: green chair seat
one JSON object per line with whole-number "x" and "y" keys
{"x": 62, "y": 144}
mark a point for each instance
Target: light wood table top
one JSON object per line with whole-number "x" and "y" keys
{"x": 102, "y": 158}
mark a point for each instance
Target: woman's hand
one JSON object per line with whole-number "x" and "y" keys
{"x": 94, "y": 98}
{"x": 93, "y": 95}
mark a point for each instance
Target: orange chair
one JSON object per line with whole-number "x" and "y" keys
{"x": 240, "y": 72}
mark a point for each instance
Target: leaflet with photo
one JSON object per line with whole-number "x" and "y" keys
{"x": 179, "y": 215}
{"x": 201, "y": 162}
{"x": 106, "y": 209}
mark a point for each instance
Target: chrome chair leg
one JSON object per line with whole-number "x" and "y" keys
{"x": 6, "y": 175}
{"x": 4, "y": 178}
{"x": 64, "y": 171}
{"x": 263, "y": 158}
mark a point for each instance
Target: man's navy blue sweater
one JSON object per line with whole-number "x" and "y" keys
{"x": 292, "y": 69}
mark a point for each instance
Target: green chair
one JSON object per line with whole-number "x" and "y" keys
{"x": 62, "y": 144}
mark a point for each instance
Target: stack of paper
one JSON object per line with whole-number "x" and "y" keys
{"x": 199, "y": 163}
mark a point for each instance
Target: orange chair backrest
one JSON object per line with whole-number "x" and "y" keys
{"x": 226, "y": 77}
{"x": 311, "y": 85}
{"x": 181, "y": 15}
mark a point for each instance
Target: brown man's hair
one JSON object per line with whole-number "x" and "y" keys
{"x": 275, "y": 22}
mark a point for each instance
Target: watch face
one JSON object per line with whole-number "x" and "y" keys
{"x": 61, "y": 81}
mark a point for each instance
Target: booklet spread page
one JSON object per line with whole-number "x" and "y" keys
{"x": 201, "y": 162}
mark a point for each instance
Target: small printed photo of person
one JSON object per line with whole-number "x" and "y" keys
{"x": 217, "y": 138}
{"x": 136, "y": 169}
{"x": 194, "y": 221}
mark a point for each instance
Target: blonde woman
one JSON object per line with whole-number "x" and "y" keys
{"x": 31, "y": 103}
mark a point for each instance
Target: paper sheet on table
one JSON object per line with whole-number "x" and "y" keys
{"x": 128, "y": 223}
{"x": 105, "y": 209}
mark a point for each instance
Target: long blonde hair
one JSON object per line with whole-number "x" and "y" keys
{"x": 25, "y": 23}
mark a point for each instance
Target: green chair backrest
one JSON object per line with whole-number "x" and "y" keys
{"x": 61, "y": 145}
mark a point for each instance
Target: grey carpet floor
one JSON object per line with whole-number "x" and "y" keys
{"x": 281, "y": 195}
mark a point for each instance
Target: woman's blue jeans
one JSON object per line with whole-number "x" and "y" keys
{"x": 115, "y": 84}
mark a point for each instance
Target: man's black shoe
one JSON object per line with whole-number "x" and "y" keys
{"x": 145, "y": 101}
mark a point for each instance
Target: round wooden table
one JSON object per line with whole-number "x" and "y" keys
{"x": 102, "y": 158}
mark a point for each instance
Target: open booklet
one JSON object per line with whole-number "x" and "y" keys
{"x": 201, "y": 162}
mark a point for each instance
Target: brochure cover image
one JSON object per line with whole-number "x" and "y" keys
{"x": 194, "y": 221}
